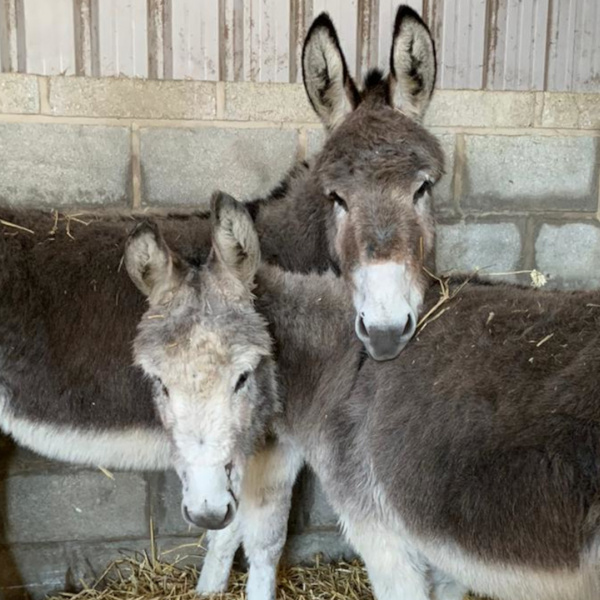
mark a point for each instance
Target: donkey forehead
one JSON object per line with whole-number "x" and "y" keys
{"x": 226, "y": 336}
{"x": 382, "y": 144}
{"x": 203, "y": 342}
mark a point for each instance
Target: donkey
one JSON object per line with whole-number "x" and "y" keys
{"x": 66, "y": 320}
{"x": 473, "y": 459}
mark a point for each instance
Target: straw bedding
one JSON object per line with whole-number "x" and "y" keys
{"x": 147, "y": 577}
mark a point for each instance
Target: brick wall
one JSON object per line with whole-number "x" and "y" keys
{"x": 521, "y": 192}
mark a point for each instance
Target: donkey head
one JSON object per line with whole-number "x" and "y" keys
{"x": 378, "y": 167}
{"x": 208, "y": 354}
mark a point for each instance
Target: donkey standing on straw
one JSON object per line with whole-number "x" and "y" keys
{"x": 472, "y": 461}
{"x": 68, "y": 313}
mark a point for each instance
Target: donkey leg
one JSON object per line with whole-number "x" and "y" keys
{"x": 446, "y": 588}
{"x": 396, "y": 571}
{"x": 222, "y": 546}
{"x": 267, "y": 495}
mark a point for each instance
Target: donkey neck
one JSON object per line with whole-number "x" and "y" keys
{"x": 312, "y": 322}
{"x": 292, "y": 223}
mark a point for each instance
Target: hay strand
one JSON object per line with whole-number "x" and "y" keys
{"x": 107, "y": 473}
{"x": 436, "y": 311}
{"x": 15, "y": 226}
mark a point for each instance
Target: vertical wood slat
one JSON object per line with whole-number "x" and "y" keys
{"x": 195, "y": 36}
{"x": 122, "y": 35}
{"x": 574, "y": 50}
{"x": 12, "y": 36}
{"x": 458, "y": 27}
{"x": 517, "y": 44}
{"x": 301, "y": 15}
{"x": 459, "y": 30}
{"x": 86, "y": 37}
{"x": 231, "y": 45}
{"x": 266, "y": 40}
{"x": 49, "y": 37}
{"x": 156, "y": 39}
{"x": 366, "y": 38}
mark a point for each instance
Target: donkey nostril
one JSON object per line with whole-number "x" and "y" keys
{"x": 409, "y": 327}
{"x": 362, "y": 328}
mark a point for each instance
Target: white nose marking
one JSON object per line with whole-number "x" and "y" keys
{"x": 387, "y": 303}
{"x": 385, "y": 295}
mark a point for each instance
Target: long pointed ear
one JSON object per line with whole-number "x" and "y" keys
{"x": 330, "y": 88}
{"x": 148, "y": 260}
{"x": 412, "y": 63}
{"x": 234, "y": 237}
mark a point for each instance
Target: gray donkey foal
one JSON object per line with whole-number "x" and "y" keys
{"x": 470, "y": 462}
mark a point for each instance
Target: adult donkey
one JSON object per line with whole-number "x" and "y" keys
{"x": 470, "y": 462}
{"x": 66, "y": 319}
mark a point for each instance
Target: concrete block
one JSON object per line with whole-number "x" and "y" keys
{"x": 466, "y": 247}
{"x": 526, "y": 172}
{"x": 470, "y": 108}
{"x": 569, "y": 254}
{"x": 19, "y": 94}
{"x": 566, "y": 110}
{"x": 442, "y": 193}
{"x": 63, "y": 164}
{"x": 248, "y": 101}
{"x": 184, "y": 166}
{"x": 165, "y": 494}
{"x": 81, "y": 506}
{"x": 37, "y": 570}
{"x": 133, "y": 98}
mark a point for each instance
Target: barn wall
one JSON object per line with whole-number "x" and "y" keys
{"x": 482, "y": 44}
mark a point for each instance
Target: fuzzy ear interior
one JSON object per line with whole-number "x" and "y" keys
{"x": 234, "y": 237}
{"x": 329, "y": 86}
{"x": 148, "y": 259}
{"x": 412, "y": 63}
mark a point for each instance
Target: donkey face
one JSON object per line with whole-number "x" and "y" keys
{"x": 214, "y": 387}
{"x": 378, "y": 167}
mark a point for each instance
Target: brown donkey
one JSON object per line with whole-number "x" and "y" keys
{"x": 68, "y": 315}
{"x": 470, "y": 462}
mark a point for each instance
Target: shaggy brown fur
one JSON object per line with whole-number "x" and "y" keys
{"x": 68, "y": 315}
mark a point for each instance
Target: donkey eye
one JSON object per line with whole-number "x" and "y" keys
{"x": 425, "y": 187}
{"x": 335, "y": 197}
{"x": 241, "y": 381}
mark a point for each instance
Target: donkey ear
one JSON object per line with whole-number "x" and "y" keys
{"x": 234, "y": 237}
{"x": 412, "y": 63}
{"x": 330, "y": 89}
{"x": 148, "y": 259}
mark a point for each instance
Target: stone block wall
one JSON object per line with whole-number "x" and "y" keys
{"x": 521, "y": 192}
